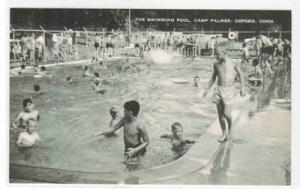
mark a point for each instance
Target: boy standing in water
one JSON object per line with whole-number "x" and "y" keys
{"x": 29, "y": 137}
{"x": 225, "y": 70}
{"x": 28, "y": 113}
{"x": 114, "y": 116}
{"x": 196, "y": 81}
{"x": 179, "y": 145}
{"x": 136, "y": 138}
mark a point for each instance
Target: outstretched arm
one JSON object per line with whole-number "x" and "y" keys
{"x": 189, "y": 141}
{"x": 211, "y": 81}
{"x": 241, "y": 76}
{"x": 166, "y": 136}
{"x": 112, "y": 129}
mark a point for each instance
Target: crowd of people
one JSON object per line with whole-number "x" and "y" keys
{"x": 49, "y": 47}
{"x": 28, "y": 48}
{"x": 270, "y": 52}
{"x": 37, "y": 48}
{"x": 187, "y": 45}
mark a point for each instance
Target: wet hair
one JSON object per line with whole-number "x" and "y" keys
{"x": 86, "y": 67}
{"x": 43, "y": 68}
{"x": 132, "y": 106}
{"x": 255, "y": 62}
{"x": 27, "y": 101}
{"x": 23, "y": 66}
{"x": 69, "y": 78}
{"x": 197, "y": 77}
{"x": 36, "y": 87}
{"x": 113, "y": 111}
{"x": 97, "y": 74}
{"x": 176, "y": 125}
{"x": 244, "y": 45}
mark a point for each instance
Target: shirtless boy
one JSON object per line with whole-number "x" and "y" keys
{"x": 114, "y": 120}
{"x": 135, "y": 134}
{"x": 224, "y": 69}
{"x": 179, "y": 145}
{"x": 196, "y": 81}
{"x": 28, "y": 113}
{"x": 97, "y": 84}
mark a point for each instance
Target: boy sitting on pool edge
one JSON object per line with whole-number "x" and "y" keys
{"x": 136, "y": 138}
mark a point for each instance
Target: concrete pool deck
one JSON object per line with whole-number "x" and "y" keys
{"x": 198, "y": 157}
{"x": 258, "y": 155}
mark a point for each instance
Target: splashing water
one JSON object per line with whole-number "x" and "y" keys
{"x": 159, "y": 56}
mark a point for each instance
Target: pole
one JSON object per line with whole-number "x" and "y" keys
{"x": 280, "y": 35}
{"x": 129, "y": 24}
{"x": 86, "y": 36}
{"x": 14, "y": 37}
{"x": 44, "y": 43}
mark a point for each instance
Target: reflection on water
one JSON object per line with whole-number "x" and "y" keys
{"x": 72, "y": 113}
{"x": 274, "y": 87}
{"x": 274, "y": 94}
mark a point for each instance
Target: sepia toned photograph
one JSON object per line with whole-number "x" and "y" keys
{"x": 150, "y": 96}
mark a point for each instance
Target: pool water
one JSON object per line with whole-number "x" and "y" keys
{"x": 70, "y": 114}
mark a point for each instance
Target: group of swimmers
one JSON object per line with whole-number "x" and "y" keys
{"x": 136, "y": 138}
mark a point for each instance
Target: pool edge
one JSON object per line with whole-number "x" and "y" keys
{"x": 194, "y": 160}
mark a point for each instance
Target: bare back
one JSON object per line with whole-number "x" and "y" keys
{"x": 132, "y": 135}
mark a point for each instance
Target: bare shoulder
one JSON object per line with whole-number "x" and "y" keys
{"x": 20, "y": 114}
{"x": 35, "y": 113}
{"x": 140, "y": 125}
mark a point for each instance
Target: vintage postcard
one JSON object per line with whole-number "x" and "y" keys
{"x": 150, "y": 96}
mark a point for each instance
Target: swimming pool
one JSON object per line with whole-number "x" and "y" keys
{"x": 71, "y": 114}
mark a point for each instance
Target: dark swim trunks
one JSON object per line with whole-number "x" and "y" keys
{"x": 138, "y": 154}
{"x": 268, "y": 50}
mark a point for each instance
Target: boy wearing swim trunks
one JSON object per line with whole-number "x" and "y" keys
{"x": 224, "y": 69}
{"x": 136, "y": 138}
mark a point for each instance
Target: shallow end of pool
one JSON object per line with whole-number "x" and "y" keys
{"x": 194, "y": 160}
